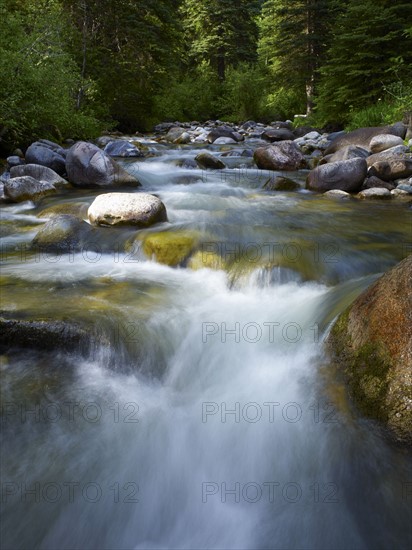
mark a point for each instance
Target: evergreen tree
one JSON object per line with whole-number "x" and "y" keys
{"x": 293, "y": 36}
{"x": 371, "y": 49}
{"x": 221, "y": 32}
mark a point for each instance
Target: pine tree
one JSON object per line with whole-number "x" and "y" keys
{"x": 371, "y": 49}
{"x": 293, "y": 36}
{"x": 221, "y": 32}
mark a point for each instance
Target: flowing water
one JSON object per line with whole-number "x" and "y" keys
{"x": 206, "y": 414}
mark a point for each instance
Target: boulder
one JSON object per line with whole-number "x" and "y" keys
{"x": 392, "y": 169}
{"x": 374, "y": 181}
{"x": 394, "y": 152}
{"x": 89, "y": 166}
{"x": 372, "y": 344}
{"x": 47, "y": 153}
{"x": 346, "y": 153}
{"x": 122, "y": 148}
{"x": 282, "y": 134}
{"x": 407, "y": 187}
{"x": 384, "y": 141}
{"x": 346, "y": 175}
{"x": 223, "y": 131}
{"x": 14, "y": 160}
{"x": 279, "y": 183}
{"x": 64, "y": 233}
{"x": 363, "y": 136}
{"x": 174, "y": 134}
{"x": 376, "y": 193}
{"x": 26, "y": 188}
{"x": 138, "y": 209}
{"x": 208, "y": 161}
{"x": 284, "y": 155}
{"x": 38, "y": 172}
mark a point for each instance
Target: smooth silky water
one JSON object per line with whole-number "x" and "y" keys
{"x": 208, "y": 415}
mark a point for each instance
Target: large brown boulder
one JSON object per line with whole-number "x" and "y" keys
{"x": 89, "y": 166}
{"x": 284, "y": 155}
{"x": 372, "y": 343}
{"x": 362, "y": 136}
{"x": 346, "y": 175}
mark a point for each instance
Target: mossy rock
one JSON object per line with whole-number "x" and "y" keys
{"x": 78, "y": 209}
{"x": 206, "y": 260}
{"x": 170, "y": 248}
{"x": 372, "y": 343}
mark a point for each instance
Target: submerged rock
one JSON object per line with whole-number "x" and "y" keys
{"x": 208, "y": 161}
{"x": 44, "y": 335}
{"x": 170, "y": 248}
{"x": 372, "y": 344}
{"x": 279, "y": 183}
{"x": 64, "y": 233}
{"x": 139, "y": 209}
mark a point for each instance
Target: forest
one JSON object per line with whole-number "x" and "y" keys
{"x": 75, "y": 68}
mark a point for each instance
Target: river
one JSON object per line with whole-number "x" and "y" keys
{"x": 209, "y": 414}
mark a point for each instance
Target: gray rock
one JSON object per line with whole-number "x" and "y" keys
{"x": 186, "y": 163}
{"x": 14, "y": 160}
{"x": 373, "y": 181}
{"x": 375, "y": 193}
{"x": 224, "y": 141}
{"x": 208, "y": 161}
{"x": 346, "y": 153}
{"x": 26, "y": 188}
{"x": 122, "y": 148}
{"x": 38, "y": 172}
{"x": 47, "y": 153}
{"x": 64, "y": 233}
{"x": 284, "y": 155}
{"x": 392, "y": 169}
{"x": 394, "y": 152}
{"x": 223, "y": 131}
{"x": 89, "y": 166}
{"x": 384, "y": 141}
{"x": 405, "y": 187}
{"x": 337, "y": 194}
{"x": 273, "y": 135}
{"x": 363, "y": 136}
{"x": 279, "y": 183}
{"x": 346, "y": 175}
{"x": 138, "y": 209}
{"x": 174, "y": 133}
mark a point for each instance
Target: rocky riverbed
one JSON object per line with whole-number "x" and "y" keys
{"x": 198, "y": 269}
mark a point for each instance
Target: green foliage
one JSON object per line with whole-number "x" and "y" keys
{"x": 243, "y": 95}
{"x": 221, "y": 32}
{"x": 191, "y": 97}
{"x": 396, "y": 105}
{"x": 39, "y": 76}
{"x": 370, "y": 47}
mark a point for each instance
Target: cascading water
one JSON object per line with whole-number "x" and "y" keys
{"x": 209, "y": 417}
